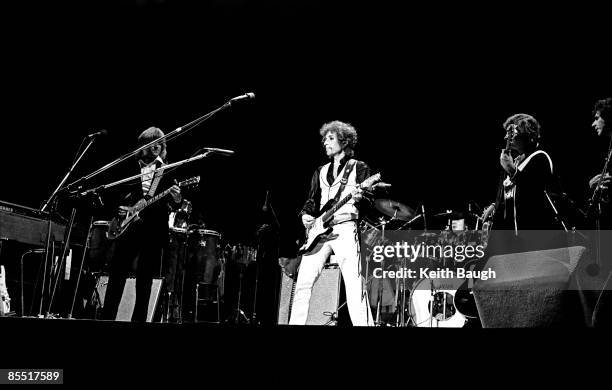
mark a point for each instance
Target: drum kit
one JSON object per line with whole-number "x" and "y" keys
{"x": 419, "y": 302}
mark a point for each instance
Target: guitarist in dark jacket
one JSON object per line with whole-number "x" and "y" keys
{"x": 139, "y": 249}
{"x": 339, "y": 140}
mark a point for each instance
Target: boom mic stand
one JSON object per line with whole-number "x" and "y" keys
{"x": 52, "y": 201}
{"x": 173, "y": 134}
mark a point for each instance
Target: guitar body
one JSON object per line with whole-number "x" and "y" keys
{"x": 320, "y": 225}
{"x": 316, "y": 230}
{"x": 119, "y": 224}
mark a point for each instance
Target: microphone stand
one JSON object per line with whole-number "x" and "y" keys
{"x": 53, "y": 202}
{"x": 46, "y": 204}
{"x": 127, "y": 179}
{"x": 174, "y": 133}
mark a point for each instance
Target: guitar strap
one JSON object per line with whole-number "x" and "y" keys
{"x": 155, "y": 182}
{"x": 347, "y": 171}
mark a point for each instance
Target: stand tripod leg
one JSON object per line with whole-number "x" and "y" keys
{"x": 85, "y": 250}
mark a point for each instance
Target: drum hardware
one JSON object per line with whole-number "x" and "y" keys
{"x": 202, "y": 255}
{"x": 380, "y": 285}
{"x": 176, "y": 303}
{"x": 394, "y": 209}
{"x": 242, "y": 255}
{"x": 400, "y": 296}
{"x": 414, "y": 219}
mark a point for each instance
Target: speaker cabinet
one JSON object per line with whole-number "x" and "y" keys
{"x": 128, "y": 299}
{"x": 532, "y": 289}
{"x": 324, "y": 300}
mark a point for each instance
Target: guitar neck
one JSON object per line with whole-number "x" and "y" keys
{"x": 154, "y": 199}
{"x": 329, "y": 213}
{"x": 366, "y": 183}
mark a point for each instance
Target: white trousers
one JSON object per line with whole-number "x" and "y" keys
{"x": 344, "y": 243}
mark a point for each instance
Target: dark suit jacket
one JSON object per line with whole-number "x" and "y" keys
{"x": 154, "y": 219}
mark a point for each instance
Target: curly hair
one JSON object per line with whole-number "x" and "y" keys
{"x": 526, "y": 125}
{"x": 150, "y": 134}
{"x": 346, "y": 133}
{"x": 604, "y": 107}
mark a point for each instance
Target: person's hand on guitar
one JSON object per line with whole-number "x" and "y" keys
{"x": 122, "y": 211}
{"x": 358, "y": 194}
{"x": 604, "y": 182}
{"x": 307, "y": 220}
{"x": 175, "y": 191}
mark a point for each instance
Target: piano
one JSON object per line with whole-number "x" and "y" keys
{"x": 27, "y": 225}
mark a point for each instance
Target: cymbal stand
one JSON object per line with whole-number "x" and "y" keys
{"x": 432, "y": 302}
{"x": 380, "y": 284}
{"x": 239, "y": 314}
{"x": 400, "y": 301}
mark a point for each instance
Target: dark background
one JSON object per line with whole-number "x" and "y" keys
{"x": 427, "y": 87}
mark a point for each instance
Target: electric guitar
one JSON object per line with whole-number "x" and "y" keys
{"x": 319, "y": 226}
{"x": 5, "y": 300}
{"x": 120, "y": 224}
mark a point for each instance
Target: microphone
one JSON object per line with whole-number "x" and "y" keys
{"x": 224, "y": 152}
{"x": 246, "y": 96}
{"x": 97, "y": 133}
{"x": 265, "y": 206}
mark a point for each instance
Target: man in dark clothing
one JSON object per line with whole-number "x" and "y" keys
{"x": 524, "y": 205}
{"x": 600, "y": 210}
{"x": 140, "y": 247}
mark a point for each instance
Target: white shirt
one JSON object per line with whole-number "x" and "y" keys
{"x": 148, "y": 178}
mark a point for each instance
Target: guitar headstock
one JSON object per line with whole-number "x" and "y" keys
{"x": 370, "y": 181}
{"x": 190, "y": 182}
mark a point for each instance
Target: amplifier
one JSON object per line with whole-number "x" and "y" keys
{"x": 324, "y": 300}
{"x": 128, "y": 299}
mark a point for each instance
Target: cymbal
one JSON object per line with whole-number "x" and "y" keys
{"x": 394, "y": 209}
{"x": 450, "y": 215}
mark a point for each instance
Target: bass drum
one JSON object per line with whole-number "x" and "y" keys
{"x": 432, "y": 303}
